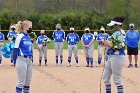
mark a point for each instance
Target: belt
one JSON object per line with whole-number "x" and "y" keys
{"x": 72, "y": 44}
{"x": 27, "y": 56}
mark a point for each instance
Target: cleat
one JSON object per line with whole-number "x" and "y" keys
{"x": 91, "y": 66}
{"x": 87, "y": 65}
{"x": 136, "y": 66}
{"x": 77, "y": 65}
{"x": 130, "y": 65}
{"x": 98, "y": 65}
{"x": 69, "y": 65}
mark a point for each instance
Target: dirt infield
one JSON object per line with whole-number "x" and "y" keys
{"x": 52, "y": 79}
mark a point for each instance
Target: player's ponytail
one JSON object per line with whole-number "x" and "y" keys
{"x": 19, "y": 27}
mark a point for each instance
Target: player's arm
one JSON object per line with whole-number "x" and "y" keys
{"x": 53, "y": 36}
{"x": 3, "y": 38}
{"x": 16, "y": 47}
{"x": 78, "y": 39}
{"x": 107, "y": 43}
{"x": 8, "y": 36}
{"x": 67, "y": 38}
{"x": 63, "y": 36}
{"x": 37, "y": 41}
{"x": 83, "y": 42}
{"x": 91, "y": 42}
{"x": 126, "y": 38}
{"x": 98, "y": 40}
{"x": 138, "y": 36}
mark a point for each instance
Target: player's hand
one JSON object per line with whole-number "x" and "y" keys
{"x": 86, "y": 46}
{"x": 102, "y": 42}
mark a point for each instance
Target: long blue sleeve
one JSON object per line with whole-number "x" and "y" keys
{"x": 15, "y": 54}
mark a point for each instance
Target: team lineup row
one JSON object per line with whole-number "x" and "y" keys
{"x": 59, "y": 36}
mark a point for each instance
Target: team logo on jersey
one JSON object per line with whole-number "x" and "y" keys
{"x": 26, "y": 42}
{"x": 58, "y": 35}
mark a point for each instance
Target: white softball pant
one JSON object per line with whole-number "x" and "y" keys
{"x": 89, "y": 54}
{"x": 101, "y": 52}
{"x": 114, "y": 66}
{"x": 58, "y": 48}
{"x": 73, "y": 48}
{"x": 43, "y": 50}
{"x": 58, "y": 51}
{"x": 24, "y": 72}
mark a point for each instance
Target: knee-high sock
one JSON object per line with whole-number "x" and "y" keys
{"x": 76, "y": 58}
{"x": 120, "y": 89}
{"x": 56, "y": 59}
{"x": 45, "y": 61}
{"x": 26, "y": 89}
{"x": 11, "y": 60}
{"x": 99, "y": 59}
{"x": 18, "y": 90}
{"x": 69, "y": 59}
{"x": 108, "y": 88}
{"x": 40, "y": 59}
{"x": 0, "y": 60}
{"x": 87, "y": 59}
{"x": 91, "y": 61}
{"x": 61, "y": 59}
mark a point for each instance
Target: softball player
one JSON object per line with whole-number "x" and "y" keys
{"x": 116, "y": 59}
{"x": 101, "y": 48}
{"x": 42, "y": 47}
{"x": 2, "y": 38}
{"x": 72, "y": 39}
{"x": 87, "y": 42}
{"x": 23, "y": 56}
{"x": 10, "y": 37}
{"x": 58, "y": 36}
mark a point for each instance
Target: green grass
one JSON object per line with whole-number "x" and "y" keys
{"x": 51, "y": 45}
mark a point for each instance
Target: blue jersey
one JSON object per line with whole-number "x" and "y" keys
{"x": 41, "y": 38}
{"x": 87, "y": 38}
{"x": 58, "y": 36}
{"x": 24, "y": 45}
{"x": 121, "y": 51}
{"x": 132, "y": 38}
{"x": 102, "y": 36}
{"x": 72, "y": 38}
{"x": 2, "y": 38}
{"x": 11, "y": 33}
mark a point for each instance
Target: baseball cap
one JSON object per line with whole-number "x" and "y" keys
{"x": 87, "y": 29}
{"x": 102, "y": 29}
{"x": 13, "y": 26}
{"x": 116, "y": 20}
{"x": 131, "y": 24}
{"x": 72, "y": 29}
